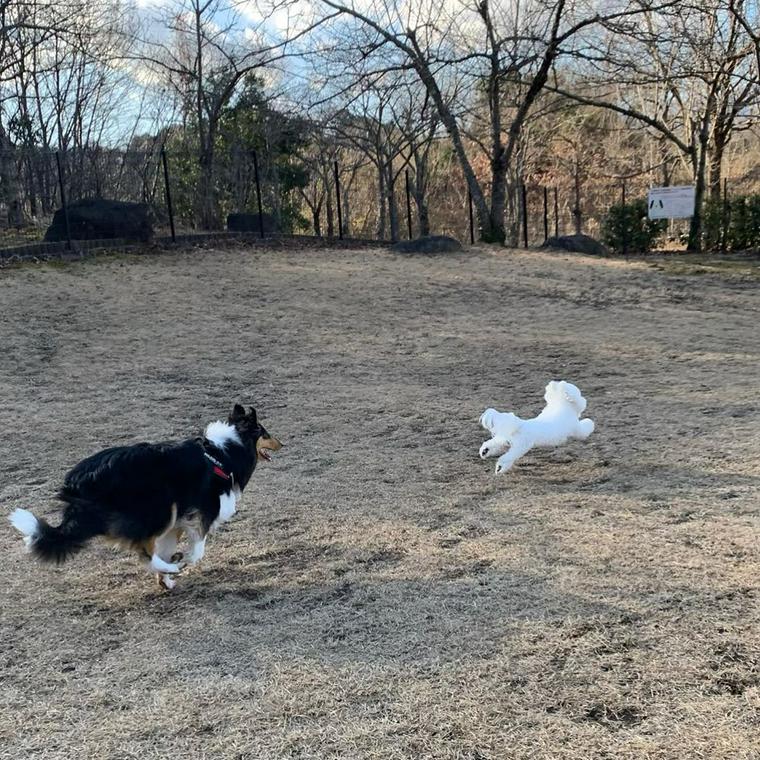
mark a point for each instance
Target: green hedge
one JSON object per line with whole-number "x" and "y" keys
{"x": 742, "y": 225}
{"x": 630, "y": 223}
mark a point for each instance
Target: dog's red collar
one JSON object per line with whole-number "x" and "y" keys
{"x": 218, "y": 467}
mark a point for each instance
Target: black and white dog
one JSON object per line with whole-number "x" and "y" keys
{"x": 148, "y": 495}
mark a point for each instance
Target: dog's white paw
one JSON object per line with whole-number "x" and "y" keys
{"x": 160, "y": 566}
{"x": 166, "y": 581}
{"x": 484, "y": 451}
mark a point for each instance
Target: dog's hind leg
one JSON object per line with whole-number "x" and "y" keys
{"x": 494, "y": 447}
{"x": 160, "y": 544}
{"x": 506, "y": 461}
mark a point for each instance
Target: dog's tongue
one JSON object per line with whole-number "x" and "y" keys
{"x": 265, "y": 455}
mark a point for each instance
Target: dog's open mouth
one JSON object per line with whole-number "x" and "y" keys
{"x": 265, "y": 447}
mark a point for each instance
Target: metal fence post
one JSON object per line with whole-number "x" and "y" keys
{"x": 167, "y": 189}
{"x": 392, "y": 205}
{"x": 556, "y": 213}
{"x": 624, "y": 217}
{"x": 525, "y": 214}
{"x": 472, "y": 218}
{"x": 64, "y": 206}
{"x": 337, "y": 198}
{"x": 408, "y": 204}
{"x": 546, "y": 213}
{"x": 258, "y": 192}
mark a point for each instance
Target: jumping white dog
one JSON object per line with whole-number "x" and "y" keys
{"x": 558, "y": 422}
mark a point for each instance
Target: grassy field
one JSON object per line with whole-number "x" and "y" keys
{"x": 381, "y": 594}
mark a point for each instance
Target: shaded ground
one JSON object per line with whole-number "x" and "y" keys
{"x": 382, "y": 594}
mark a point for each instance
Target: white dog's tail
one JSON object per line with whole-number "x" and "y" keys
{"x": 585, "y": 428}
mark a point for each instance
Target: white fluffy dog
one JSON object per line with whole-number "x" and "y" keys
{"x": 558, "y": 422}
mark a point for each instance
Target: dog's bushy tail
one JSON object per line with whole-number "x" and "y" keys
{"x": 48, "y": 543}
{"x": 586, "y": 427}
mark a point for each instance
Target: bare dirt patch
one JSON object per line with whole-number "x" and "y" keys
{"x": 382, "y": 594}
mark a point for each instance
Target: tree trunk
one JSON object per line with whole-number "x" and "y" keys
{"x": 498, "y": 197}
{"x": 329, "y": 210}
{"x": 10, "y": 190}
{"x": 512, "y": 212}
{"x": 452, "y": 128}
{"x": 695, "y": 228}
{"x": 418, "y": 188}
{"x": 577, "y": 213}
{"x": 716, "y": 166}
{"x": 498, "y": 152}
{"x": 381, "y": 203}
{"x": 392, "y": 206}
{"x": 346, "y": 212}
{"x": 423, "y": 213}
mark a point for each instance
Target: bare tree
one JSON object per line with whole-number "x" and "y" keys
{"x": 689, "y": 74}
{"x": 487, "y": 45}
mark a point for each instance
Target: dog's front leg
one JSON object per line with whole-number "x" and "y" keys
{"x": 494, "y": 447}
{"x": 506, "y": 461}
{"x": 166, "y": 548}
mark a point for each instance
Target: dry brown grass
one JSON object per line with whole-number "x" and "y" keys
{"x": 734, "y": 266}
{"x": 382, "y": 594}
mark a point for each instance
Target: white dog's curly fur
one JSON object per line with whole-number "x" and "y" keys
{"x": 558, "y": 422}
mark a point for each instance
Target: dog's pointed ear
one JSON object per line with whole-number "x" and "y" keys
{"x": 238, "y": 413}
{"x": 252, "y": 415}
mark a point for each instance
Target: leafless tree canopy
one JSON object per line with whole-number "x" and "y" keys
{"x": 443, "y": 99}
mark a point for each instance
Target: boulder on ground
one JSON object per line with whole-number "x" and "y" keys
{"x": 244, "y": 222}
{"x": 102, "y": 219}
{"x": 428, "y": 244}
{"x": 577, "y": 244}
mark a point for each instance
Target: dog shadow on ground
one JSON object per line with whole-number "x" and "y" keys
{"x": 376, "y": 612}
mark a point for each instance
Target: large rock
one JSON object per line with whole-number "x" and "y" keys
{"x": 577, "y": 244}
{"x": 428, "y": 244}
{"x": 250, "y": 223}
{"x": 101, "y": 219}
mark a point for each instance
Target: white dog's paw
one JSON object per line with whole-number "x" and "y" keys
{"x": 501, "y": 468}
{"x": 493, "y": 447}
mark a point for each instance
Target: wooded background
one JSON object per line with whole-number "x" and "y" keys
{"x": 453, "y": 97}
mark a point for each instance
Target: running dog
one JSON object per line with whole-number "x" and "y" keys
{"x": 146, "y": 496}
{"x": 558, "y": 422}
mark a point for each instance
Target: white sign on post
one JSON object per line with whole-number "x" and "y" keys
{"x": 671, "y": 202}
